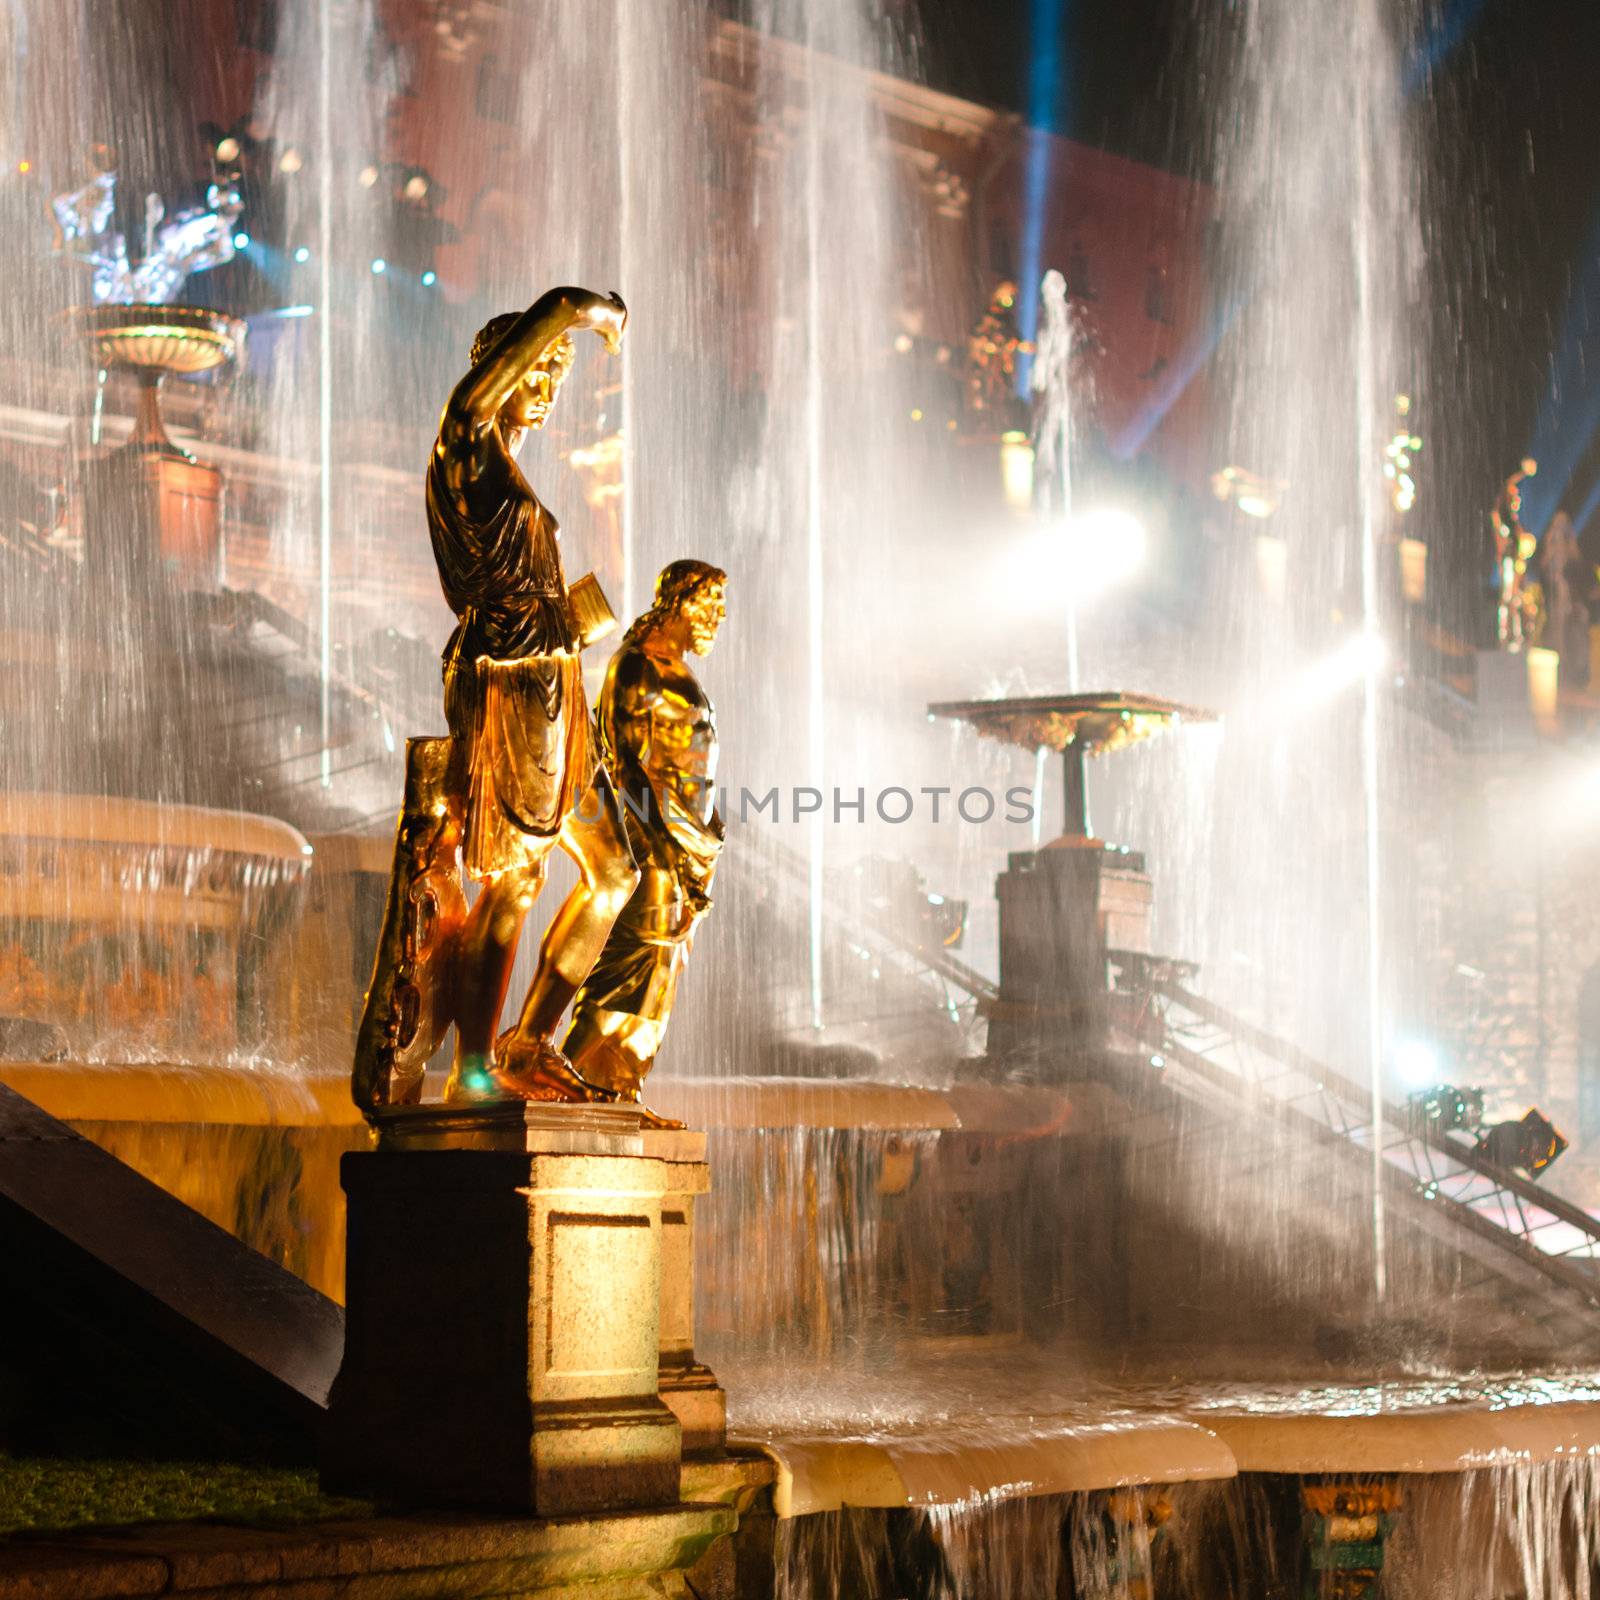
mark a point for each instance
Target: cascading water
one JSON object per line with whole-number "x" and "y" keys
{"x": 740, "y": 185}
{"x": 1307, "y": 918}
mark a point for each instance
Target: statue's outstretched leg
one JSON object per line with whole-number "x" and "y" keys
{"x": 593, "y": 834}
{"x": 615, "y": 1050}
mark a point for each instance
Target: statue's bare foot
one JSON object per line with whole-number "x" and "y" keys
{"x": 533, "y": 1069}
{"x": 652, "y": 1119}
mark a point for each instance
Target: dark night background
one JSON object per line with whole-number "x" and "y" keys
{"x": 1509, "y": 120}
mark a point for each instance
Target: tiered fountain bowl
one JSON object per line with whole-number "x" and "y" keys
{"x": 151, "y": 341}
{"x": 1075, "y": 726}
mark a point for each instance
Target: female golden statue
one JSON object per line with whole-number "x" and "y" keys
{"x": 518, "y": 775}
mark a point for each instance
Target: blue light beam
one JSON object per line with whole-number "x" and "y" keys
{"x": 1045, "y": 84}
{"x": 1453, "y": 24}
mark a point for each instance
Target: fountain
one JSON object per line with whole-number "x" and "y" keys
{"x": 1096, "y": 1252}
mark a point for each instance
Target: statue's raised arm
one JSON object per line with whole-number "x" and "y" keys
{"x": 526, "y": 344}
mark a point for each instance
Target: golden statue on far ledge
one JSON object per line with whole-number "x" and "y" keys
{"x": 518, "y": 775}
{"x": 658, "y": 736}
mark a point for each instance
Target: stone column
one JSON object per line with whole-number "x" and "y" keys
{"x": 503, "y": 1312}
{"x": 688, "y": 1386}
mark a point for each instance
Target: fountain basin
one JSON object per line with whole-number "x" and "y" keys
{"x": 140, "y": 923}
{"x": 151, "y": 339}
{"x": 1007, "y": 1110}
{"x": 1433, "y": 1439}
{"x": 967, "y": 1461}
{"x": 935, "y": 1468}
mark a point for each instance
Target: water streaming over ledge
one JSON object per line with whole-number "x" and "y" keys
{"x": 757, "y": 219}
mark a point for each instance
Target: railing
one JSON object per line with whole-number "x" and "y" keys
{"x": 1558, "y": 1239}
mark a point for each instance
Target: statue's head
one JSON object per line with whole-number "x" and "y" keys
{"x": 690, "y": 605}
{"x": 529, "y": 404}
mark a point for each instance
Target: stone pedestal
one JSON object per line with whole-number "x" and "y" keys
{"x": 504, "y": 1310}
{"x": 688, "y": 1386}
{"x": 1061, "y": 910}
{"x": 1516, "y": 697}
{"x": 152, "y": 516}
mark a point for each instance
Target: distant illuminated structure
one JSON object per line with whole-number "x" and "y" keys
{"x": 992, "y": 351}
{"x": 1255, "y": 496}
{"x": 1514, "y": 546}
{"x": 1399, "y": 461}
{"x": 149, "y": 270}
{"x": 1398, "y": 457}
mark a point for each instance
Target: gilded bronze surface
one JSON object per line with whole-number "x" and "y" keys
{"x": 658, "y": 737}
{"x": 518, "y": 775}
{"x": 407, "y": 1014}
{"x": 1094, "y": 723}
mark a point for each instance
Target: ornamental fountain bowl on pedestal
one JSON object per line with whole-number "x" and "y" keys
{"x": 152, "y": 509}
{"x": 1065, "y": 909}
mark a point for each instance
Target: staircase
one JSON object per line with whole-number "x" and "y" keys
{"x": 1512, "y": 1233}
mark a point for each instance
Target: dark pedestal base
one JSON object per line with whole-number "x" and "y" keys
{"x": 1061, "y": 909}
{"x": 150, "y": 516}
{"x": 503, "y": 1316}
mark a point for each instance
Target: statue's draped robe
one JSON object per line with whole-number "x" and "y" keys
{"x": 513, "y": 682}
{"x": 648, "y": 947}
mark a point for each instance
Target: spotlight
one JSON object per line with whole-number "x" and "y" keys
{"x": 1417, "y": 1063}
{"x": 302, "y": 254}
{"x": 902, "y": 343}
{"x": 1317, "y": 683}
{"x": 367, "y": 177}
{"x": 1107, "y": 545}
{"x": 241, "y": 241}
{"x": 228, "y": 148}
{"x": 296, "y": 311}
{"x": 290, "y": 161}
{"x": 416, "y": 187}
{"x": 24, "y": 166}
{"x": 429, "y": 278}
{"x": 1443, "y": 1108}
{"x": 1081, "y": 557}
{"x": 1532, "y": 1144}
{"x": 379, "y": 265}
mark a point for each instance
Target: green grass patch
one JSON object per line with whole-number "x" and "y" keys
{"x": 39, "y": 1494}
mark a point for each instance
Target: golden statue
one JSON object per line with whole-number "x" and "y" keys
{"x": 518, "y": 774}
{"x": 658, "y": 735}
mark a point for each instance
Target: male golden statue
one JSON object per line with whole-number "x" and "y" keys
{"x": 658, "y": 734}
{"x": 518, "y": 774}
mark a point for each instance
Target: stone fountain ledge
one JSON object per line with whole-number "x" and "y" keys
{"x": 279, "y": 1096}
{"x": 1326, "y": 1431}
{"x": 624, "y": 1555}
